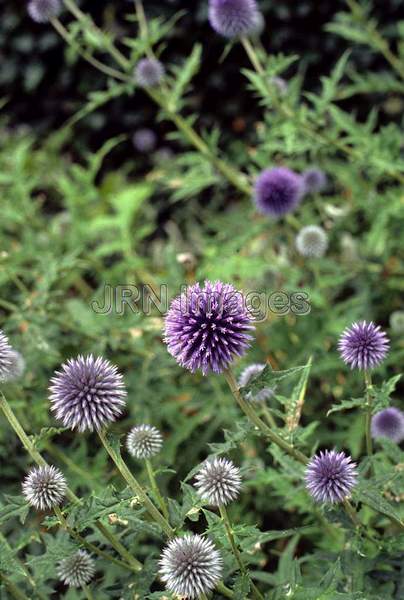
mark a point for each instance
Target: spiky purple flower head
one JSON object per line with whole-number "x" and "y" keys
{"x": 206, "y": 328}
{"x": 314, "y": 180}
{"x": 190, "y": 566}
{"x": 149, "y": 72}
{"x": 363, "y": 345}
{"x": 144, "y": 140}
{"x": 330, "y": 476}
{"x": 144, "y": 441}
{"x": 218, "y": 481}
{"x": 233, "y": 18}
{"x": 87, "y": 393}
{"x": 6, "y": 356}
{"x": 277, "y": 191}
{"x": 77, "y": 570}
{"x": 42, "y": 11}
{"x": 44, "y": 487}
{"x": 389, "y": 423}
{"x": 249, "y": 374}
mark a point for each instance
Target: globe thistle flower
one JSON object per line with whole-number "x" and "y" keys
{"x": 149, "y": 72}
{"x": 218, "y": 482}
{"x": 144, "y": 140}
{"x": 190, "y": 566}
{"x": 16, "y": 367}
{"x": 42, "y": 11}
{"x": 330, "y": 476}
{"x": 249, "y": 374}
{"x": 206, "y": 328}
{"x": 144, "y": 441}
{"x": 314, "y": 180}
{"x": 6, "y": 357}
{"x": 277, "y": 191}
{"x": 388, "y": 423}
{"x": 397, "y": 321}
{"x": 77, "y": 570}
{"x": 363, "y": 345}
{"x": 233, "y": 18}
{"x": 44, "y": 487}
{"x": 87, "y": 393}
{"x": 280, "y": 84}
{"x": 312, "y": 241}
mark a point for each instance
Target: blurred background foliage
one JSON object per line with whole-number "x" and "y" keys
{"x": 80, "y": 207}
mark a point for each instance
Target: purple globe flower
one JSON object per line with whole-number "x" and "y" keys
{"x": 330, "y": 476}
{"x": 87, "y": 393}
{"x": 149, "y": 72}
{"x": 277, "y": 191}
{"x": 6, "y": 357}
{"x": 363, "y": 345}
{"x": 314, "y": 180}
{"x": 42, "y": 11}
{"x": 233, "y": 18}
{"x": 389, "y": 423}
{"x": 206, "y": 328}
{"x": 144, "y": 140}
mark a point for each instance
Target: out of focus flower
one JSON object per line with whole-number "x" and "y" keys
{"x": 248, "y": 375}
{"x": 233, "y": 18}
{"x": 280, "y": 84}
{"x": 149, "y": 72}
{"x": 314, "y": 180}
{"x": 87, "y": 393}
{"x": 277, "y": 191}
{"x": 77, "y": 570}
{"x": 44, "y": 487}
{"x": 389, "y": 423}
{"x": 144, "y": 441}
{"x": 363, "y": 345}
{"x": 218, "y": 481}
{"x": 190, "y": 566}
{"x": 397, "y": 321}
{"x": 6, "y": 357}
{"x": 206, "y": 328}
{"x": 144, "y": 140}
{"x": 16, "y": 367}
{"x": 42, "y": 11}
{"x": 312, "y": 241}
{"x": 330, "y": 476}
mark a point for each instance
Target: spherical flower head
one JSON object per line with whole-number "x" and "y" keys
{"x": 149, "y": 72}
{"x": 87, "y": 393}
{"x": 44, "y": 487}
{"x": 363, "y": 345}
{"x": 16, "y": 367}
{"x": 144, "y": 441}
{"x": 330, "y": 476}
{"x": 397, "y": 321}
{"x": 312, "y": 241}
{"x": 218, "y": 482}
{"x": 6, "y": 357}
{"x": 190, "y": 566}
{"x": 277, "y": 191}
{"x": 77, "y": 570}
{"x": 389, "y": 423}
{"x": 206, "y": 328}
{"x": 233, "y": 18}
{"x": 144, "y": 140}
{"x": 280, "y": 85}
{"x": 42, "y": 11}
{"x": 248, "y": 375}
{"x": 314, "y": 180}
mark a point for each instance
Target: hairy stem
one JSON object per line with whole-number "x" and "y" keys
{"x": 155, "y": 488}
{"x": 136, "y": 487}
{"x": 368, "y": 421}
{"x": 236, "y": 552}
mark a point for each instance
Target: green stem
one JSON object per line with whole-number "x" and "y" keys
{"x": 351, "y": 513}
{"x": 368, "y": 421}
{"x": 40, "y": 461}
{"x": 263, "y": 427}
{"x": 224, "y": 590}
{"x": 88, "y": 592}
{"x": 13, "y": 589}
{"x": 136, "y": 487}
{"x": 268, "y": 415}
{"x": 236, "y": 552}
{"x": 155, "y": 488}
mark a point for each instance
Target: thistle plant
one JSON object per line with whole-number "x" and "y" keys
{"x": 44, "y": 487}
{"x": 388, "y": 423}
{"x": 77, "y": 570}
